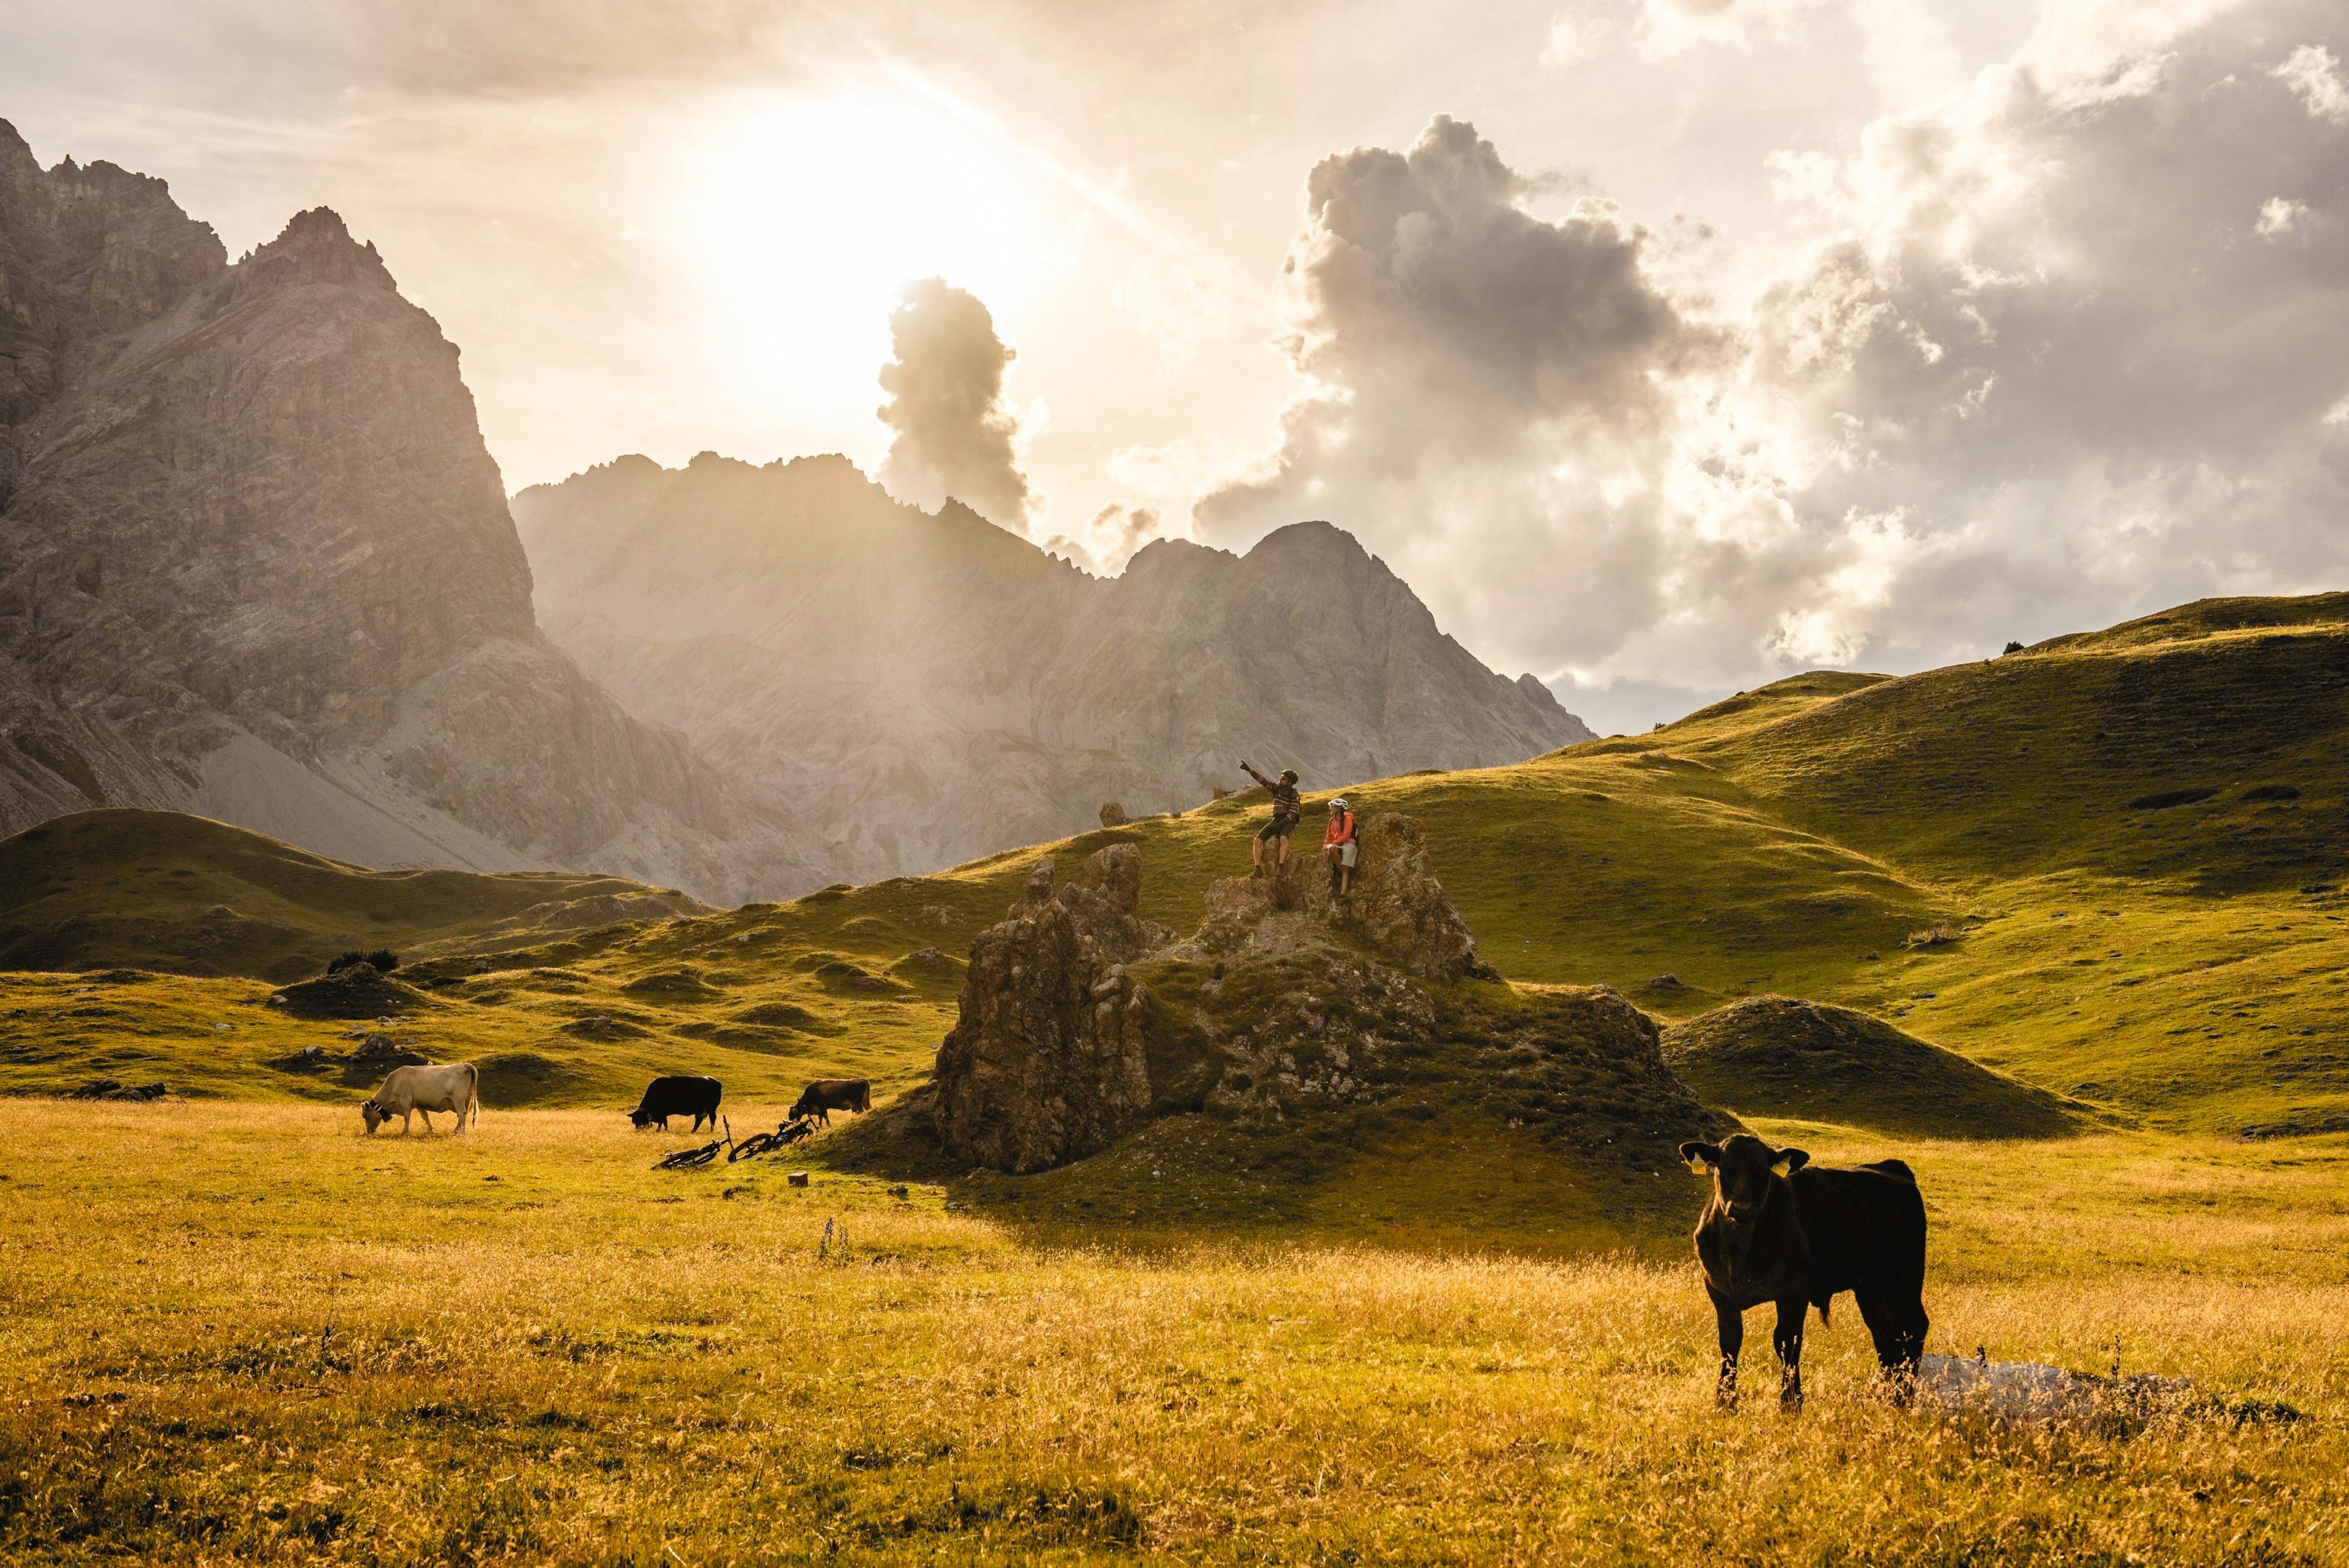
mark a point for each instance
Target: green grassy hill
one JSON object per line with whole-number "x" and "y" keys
{"x": 2104, "y": 867}
{"x": 162, "y": 890}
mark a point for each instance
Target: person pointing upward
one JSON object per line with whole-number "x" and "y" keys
{"x": 1272, "y": 839}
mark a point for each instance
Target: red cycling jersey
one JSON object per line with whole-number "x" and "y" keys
{"x": 1340, "y": 831}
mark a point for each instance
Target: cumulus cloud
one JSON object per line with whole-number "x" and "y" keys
{"x": 2314, "y": 76}
{"x": 2279, "y": 216}
{"x": 2039, "y": 344}
{"x": 955, "y": 436}
{"x": 2040, "y": 373}
{"x": 1483, "y": 385}
{"x": 1109, "y": 538}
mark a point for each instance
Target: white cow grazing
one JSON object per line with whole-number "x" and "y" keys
{"x": 447, "y": 1086}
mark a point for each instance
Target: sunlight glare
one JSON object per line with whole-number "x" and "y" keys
{"x": 799, "y": 219}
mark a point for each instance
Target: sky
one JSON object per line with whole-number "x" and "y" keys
{"x": 1665, "y": 347}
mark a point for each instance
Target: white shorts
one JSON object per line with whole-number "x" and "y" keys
{"x": 1345, "y": 853}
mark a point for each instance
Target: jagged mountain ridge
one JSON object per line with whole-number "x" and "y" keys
{"x": 927, "y": 687}
{"x": 256, "y": 562}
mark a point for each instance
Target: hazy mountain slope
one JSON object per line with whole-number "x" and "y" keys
{"x": 921, "y": 689}
{"x": 255, "y": 562}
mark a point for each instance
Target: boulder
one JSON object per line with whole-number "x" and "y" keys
{"x": 383, "y": 1051}
{"x": 115, "y": 1089}
{"x": 1112, "y": 815}
{"x": 1045, "y": 1063}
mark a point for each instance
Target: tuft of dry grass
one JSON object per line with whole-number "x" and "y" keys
{"x": 244, "y": 1334}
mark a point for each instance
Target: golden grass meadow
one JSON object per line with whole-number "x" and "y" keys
{"x": 242, "y": 1332}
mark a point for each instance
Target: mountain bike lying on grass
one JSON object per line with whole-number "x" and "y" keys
{"x": 695, "y": 1158}
{"x": 786, "y": 1134}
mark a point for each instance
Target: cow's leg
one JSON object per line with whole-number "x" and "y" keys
{"x": 1787, "y": 1337}
{"x": 428, "y": 1121}
{"x": 1905, "y": 1326}
{"x": 1731, "y": 1322}
{"x": 1888, "y": 1326}
{"x": 407, "y": 1121}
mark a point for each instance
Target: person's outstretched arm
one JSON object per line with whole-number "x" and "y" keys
{"x": 1253, "y": 774}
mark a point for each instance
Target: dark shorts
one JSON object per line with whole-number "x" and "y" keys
{"x": 1279, "y": 827}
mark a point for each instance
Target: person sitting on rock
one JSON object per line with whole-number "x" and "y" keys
{"x": 1341, "y": 847}
{"x": 1272, "y": 849}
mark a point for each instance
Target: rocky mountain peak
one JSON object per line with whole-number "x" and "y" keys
{"x": 316, "y": 247}
{"x": 85, "y": 253}
{"x": 1539, "y": 691}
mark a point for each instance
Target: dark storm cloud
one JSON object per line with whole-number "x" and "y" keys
{"x": 955, "y": 435}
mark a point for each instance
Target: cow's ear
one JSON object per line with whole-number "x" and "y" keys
{"x": 1789, "y": 1161}
{"x": 1700, "y": 1155}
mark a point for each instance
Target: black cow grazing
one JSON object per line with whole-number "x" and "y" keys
{"x": 1800, "y": 1238}
{"x": 826, "y": 1096}
{"x": 677, "y": 1096}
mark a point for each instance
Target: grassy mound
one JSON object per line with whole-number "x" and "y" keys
{"x": 357, "y": 991}
{"x": 1776, "y": 1056}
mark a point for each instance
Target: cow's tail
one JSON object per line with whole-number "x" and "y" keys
{"x": 472, "y": 1096}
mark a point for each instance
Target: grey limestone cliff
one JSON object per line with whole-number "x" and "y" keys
{"x": 255, "y": 562}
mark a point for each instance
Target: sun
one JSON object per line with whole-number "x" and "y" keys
{"x": 797, "y": 219}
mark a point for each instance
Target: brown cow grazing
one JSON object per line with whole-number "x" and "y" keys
{"x": 826, "y": 1096}
{"x": 419, "y": 1091}
{"x": 1800, "y": 1238}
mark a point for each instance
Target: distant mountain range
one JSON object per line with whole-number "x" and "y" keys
{"x": 255, "y": 562}
{"x": 925, "y": 689}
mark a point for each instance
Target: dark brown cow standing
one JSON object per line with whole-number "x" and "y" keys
{"x": 1801, "y": 1237}
{"x": 677, "y": 1094}
{"x": 826, "y": 1096}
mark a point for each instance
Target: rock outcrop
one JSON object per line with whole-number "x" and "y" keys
{"x": 928, "y": 687}
{"x": 1397, "y": 907}
{"x": 1046, "y": 1064}
{"x": 1082, "y": 1022}
{"x": 256, "y": 562}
